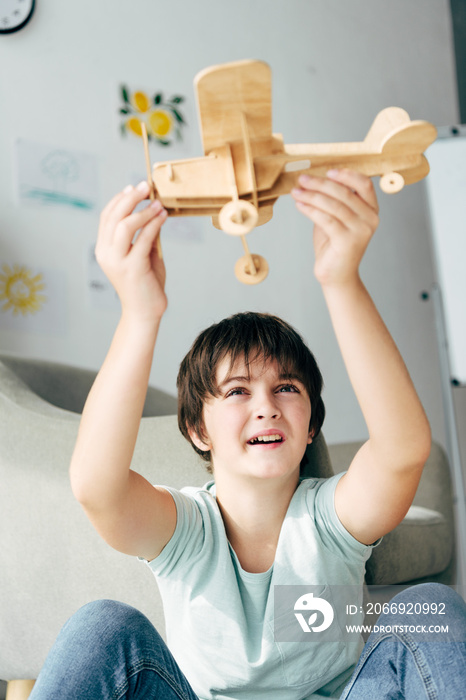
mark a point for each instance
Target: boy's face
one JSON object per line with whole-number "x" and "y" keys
{"x": 258, "y": 425}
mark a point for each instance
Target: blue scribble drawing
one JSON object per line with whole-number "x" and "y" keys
{"x": 56, "y": 176}
{"x": 61, "y": 168}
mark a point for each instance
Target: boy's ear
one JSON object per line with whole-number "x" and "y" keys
{"x": 310, "y": 436}
{"x": 198, "y": 441}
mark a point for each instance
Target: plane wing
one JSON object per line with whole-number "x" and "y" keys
{"x": 227, "y": 92}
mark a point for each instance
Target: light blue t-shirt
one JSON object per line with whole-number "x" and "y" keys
{"x": 220, "y": 618}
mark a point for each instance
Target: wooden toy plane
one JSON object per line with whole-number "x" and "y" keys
{"x": 246, "y": 168}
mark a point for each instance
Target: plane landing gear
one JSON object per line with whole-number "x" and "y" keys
{"x": 391, "y": 183}
{"x": 238, "y": 217}
{"x": 243, "y": 269}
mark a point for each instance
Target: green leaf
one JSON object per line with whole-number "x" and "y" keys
{"x": 158, "y": 98}
{"x": 123, "y": 129}
{"x": 178, "y": 116}
{"x": 124, "y": 93}
{"x": 163, "y": 143}
{"x": 177, "y": 99}
{"x": 125, "y": 110}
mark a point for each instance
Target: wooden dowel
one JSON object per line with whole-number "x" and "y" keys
{"x": 252, "y": 267}
{"x": 238, "y": 216}
{"x": 249, "y": 158}
{"x": 150, "y": 180}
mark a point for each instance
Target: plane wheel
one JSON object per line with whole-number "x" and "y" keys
{"x": 238, "y": 217}
{"x": 243, "y": 273}
{"x": 391, "y": 183}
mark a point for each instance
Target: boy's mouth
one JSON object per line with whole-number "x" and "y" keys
{"x": 266, "y": 439}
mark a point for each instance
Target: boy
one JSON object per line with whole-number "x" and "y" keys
{"x": 250, "y": 403}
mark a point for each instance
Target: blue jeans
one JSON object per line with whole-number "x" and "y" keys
{"x": 408, "y": 664}
{"x": 110, "y": 651}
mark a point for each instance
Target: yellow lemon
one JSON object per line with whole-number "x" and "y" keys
{"x": 134, "y": 125}
{"x": 140, "y": 101}
{"x": 160, "y": 122}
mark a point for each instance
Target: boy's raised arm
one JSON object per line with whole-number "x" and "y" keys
{"x": 375, "y": 494}
{"x": 129, "y": 513}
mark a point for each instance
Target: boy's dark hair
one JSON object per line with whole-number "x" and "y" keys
{"x": 244, "y": 336}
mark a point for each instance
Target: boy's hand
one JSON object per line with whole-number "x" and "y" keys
{"x": 133, "y": 266}
{"x": 344, "y": 209}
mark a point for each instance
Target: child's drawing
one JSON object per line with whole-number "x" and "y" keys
{"x": 21, "y": 290}
{"x": 32, "y": 299}
{"x": 61, "y": 168}
{"x": 55, "y": 176}
{"x": 163, "y": 117}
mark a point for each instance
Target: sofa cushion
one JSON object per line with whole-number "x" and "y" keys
{"x": 403, "y": 555}
{"x": 67, "y": 387}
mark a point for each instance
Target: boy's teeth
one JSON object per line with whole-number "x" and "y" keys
{"x": 266, "y": 438}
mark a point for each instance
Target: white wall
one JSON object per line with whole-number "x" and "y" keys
{"x": 335, "y": 65}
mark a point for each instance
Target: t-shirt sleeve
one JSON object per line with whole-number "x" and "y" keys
{"x": 187, "y": 539}
{"x": 331, "y": 530}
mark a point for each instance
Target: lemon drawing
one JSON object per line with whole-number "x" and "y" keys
{"x": 160, "y": 122}
{"x": 140, "y": 101}
{"x": 162, "y": 117}
{"x": 20, "y": 290}
{"x": 134, "y": 125}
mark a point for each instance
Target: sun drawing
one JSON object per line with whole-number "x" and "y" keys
{"x": 20, "y": 290}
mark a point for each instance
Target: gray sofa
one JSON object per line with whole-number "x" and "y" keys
{"x": 51, "y": 559}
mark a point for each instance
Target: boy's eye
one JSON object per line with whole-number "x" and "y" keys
{"x": 288, "y": 388}
{"x": 237, "y": 391}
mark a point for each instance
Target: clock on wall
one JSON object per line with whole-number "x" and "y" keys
{"x": 15, "y": 14}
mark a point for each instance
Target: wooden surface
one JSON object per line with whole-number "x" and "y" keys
{"x": 19, "y": 690}
{"x": 226, "y": 92}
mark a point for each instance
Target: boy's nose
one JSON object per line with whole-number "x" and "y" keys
{"x": 267, "y": 408}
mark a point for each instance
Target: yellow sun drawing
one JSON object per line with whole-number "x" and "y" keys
{"x": 19, "y": 289}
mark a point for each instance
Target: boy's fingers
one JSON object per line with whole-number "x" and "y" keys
{"x": 339, "y": 199}
{"x": 148, "y": 234}
{"x": 336, "y": 208}
{"x": 324, "y": 209}
{"x": 326, "y": 220}
{"x": 129, "y": 199}
{"x": 122, "y": 205}
{"x": 359, "y": 183}
{"x": 110, "y": 207}
{"x": 127, "y": 228}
